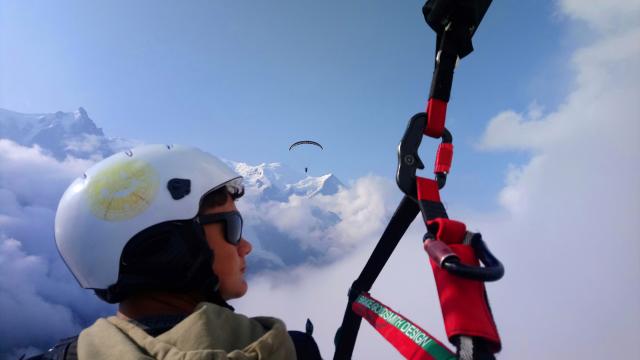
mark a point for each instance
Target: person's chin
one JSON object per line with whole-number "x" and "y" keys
{"x": 238, "y": 292}
{"x": 243, "y": 289}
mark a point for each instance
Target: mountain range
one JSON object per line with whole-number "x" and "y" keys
{"x": 61, "y": 134}
{"x": 75, "y": 134}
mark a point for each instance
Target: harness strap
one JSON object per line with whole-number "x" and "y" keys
{"x": 436, "y": 115}
{"x": 409, "y": 339}
{"x": 464, "y": 302}
{"x": 429, "y": 199}
{"x": 404, "y": 215}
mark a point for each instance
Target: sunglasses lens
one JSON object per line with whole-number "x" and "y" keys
{"x": 232, "y": 222}
{"x": 234, "y": 228}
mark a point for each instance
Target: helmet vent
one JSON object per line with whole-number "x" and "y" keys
{"x": 179, "y": 188}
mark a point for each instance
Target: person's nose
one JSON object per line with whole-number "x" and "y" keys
{"x": 244, "y": 247}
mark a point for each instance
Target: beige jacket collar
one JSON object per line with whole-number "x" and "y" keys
{"x": 210, "y": 332}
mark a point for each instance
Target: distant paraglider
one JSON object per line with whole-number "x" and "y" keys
{"x": 308, "y": 142}
{"x": 305, "y": 142}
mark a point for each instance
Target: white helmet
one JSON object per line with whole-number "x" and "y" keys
{"x": 127, "y": 193}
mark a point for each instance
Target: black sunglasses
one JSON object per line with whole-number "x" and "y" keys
{"x": 232, "y": 224}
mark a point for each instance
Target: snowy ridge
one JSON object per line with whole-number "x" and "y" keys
{"x": 311, "y": 186}
{"x": 277, "y": 182}
{"x": 61, "y": 134}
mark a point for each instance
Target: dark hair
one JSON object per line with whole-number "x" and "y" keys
{"x": 214, "y": 198}
{"x": 218, "y": 197}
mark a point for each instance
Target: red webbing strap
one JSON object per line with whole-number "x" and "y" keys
{"x": 409, "y": 339}
{"x": 427, "y": 189}
{"x": 463, "y": 302}
{"x": 436, "y": 114}
{"x": 444, "y": 158}
{"x": 429, "y": 199}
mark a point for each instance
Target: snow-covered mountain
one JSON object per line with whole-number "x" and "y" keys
{"x": 311, "y": 186}
{"x": 269, "y": 188}
{"x": 60, "y": 134}
{"x": 74, "y": 134}
{"x": 277, "y": 182}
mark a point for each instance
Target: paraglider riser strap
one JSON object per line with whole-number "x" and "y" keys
{"x": 454, "y": 260}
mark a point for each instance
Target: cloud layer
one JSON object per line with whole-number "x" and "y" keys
{"x": 568, "y": 228}
{"x": 322, "y": 228}
{"x": 39, "y": 298}
{"x": 605, "y": 16}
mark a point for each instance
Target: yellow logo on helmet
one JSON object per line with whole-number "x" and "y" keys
{"x": 122, "y": 191}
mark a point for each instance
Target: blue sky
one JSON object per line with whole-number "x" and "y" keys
{"x": 245, "y": 79}
{"x": 544, "y": 117}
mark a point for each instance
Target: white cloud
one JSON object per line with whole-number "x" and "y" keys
{"x": 364, "y": 209}
{"x": 36, "y": 178}
{"x": 39, "y": 298}
{"x": 28, "y": 317}
{"x": 611, "y": 15}
{"x": 31, "y": 183}
{"x": 511, "y": 130}
{"x": 322, "y": 228}
{"x": 568, "y": 234}
{"x": 365, "y": 203}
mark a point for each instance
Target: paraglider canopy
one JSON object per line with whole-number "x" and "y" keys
{"x": 308, "y": 142}
{"x": 305, "y": 142}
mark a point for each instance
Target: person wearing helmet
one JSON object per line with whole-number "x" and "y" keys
{"x": 156, "y": 230}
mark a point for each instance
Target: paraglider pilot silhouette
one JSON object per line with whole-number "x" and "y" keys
{"x": 305, "y": 142}
{"x": 156, "y": 230}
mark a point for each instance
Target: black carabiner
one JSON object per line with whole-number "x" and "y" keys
{"x": 445, "y": 258}
{"x": 409, "y": 161}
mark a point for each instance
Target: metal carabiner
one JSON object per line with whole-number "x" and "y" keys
{"x": 409, "y": 161}
{"x": 446, "y": 258}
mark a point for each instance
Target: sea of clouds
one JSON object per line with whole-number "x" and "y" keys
{"x": 565, "y": 229}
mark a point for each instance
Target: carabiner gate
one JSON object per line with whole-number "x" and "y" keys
{"x": 409, "y": 161}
